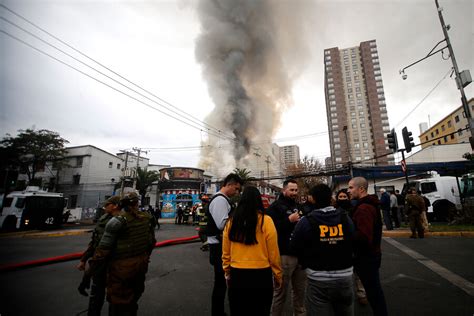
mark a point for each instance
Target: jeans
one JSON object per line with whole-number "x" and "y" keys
{"x": 387, "y": 219}
{"x": 220, "y": 287}
{"x": 337, "y": 295}
{"x": 367, "y": 268}
{"x": 293, "y": 273}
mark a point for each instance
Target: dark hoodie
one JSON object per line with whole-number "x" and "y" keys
{"x": 368, "y": 224}
{"x": 279, "y": 212}
{"x": 322, "y": 240}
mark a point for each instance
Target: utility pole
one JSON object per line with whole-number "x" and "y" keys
{"x": 138, "y": 150}
{"x": 268, "y": 165}
{"x": 257, "y": 155}
{"x": 459, "y": 80}
{"x": 124, "y": 173}
{"x": 351, "y": 170}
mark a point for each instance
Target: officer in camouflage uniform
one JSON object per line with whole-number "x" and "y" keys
{"x": 127, "y": 243}
{"x": 97, "y": 294}
{"x": 415, "y": 205}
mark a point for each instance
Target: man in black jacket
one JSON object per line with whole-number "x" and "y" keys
{"x": 284, "y": 213}
{"x": 322, "y": 241}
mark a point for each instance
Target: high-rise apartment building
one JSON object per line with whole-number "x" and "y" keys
{"x": 289, "y": 155}
{"x": 355, "y": 105}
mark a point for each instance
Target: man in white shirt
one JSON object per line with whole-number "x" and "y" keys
{"x": 218, "y": 213}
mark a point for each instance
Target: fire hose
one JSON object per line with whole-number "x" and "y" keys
{"x": 77, "y": 255}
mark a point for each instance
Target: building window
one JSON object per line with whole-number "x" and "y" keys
{"x": 334, "y": 114}
{"x": 337, "y": 146}
{"x": 72, "y": 201}
{"x": 426, "y": 137}
{"x": 442, "y": 128}
{"x": 76, "y": 179}
{"x": 366, "y": 145}
{"x": 111, "y": 164}
{"x": 353, "y": 114}
{"x": 449, "y": 123}
{"x": 333, "y": 108}
{"x": 356, "y": 145}
{"x": 456, "y": 118}
{"x": 118, "y": 166}
{"x": 362, "y": 125}
{"x": 79, "y": 162}
{"x": 332, "y": 102}
{"x": 452, "y": 136}
{"x": 445, "y": 139}
{"x": 432, "y": 135}
{"x": 437, "y": 132}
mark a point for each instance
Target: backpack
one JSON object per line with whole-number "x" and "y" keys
{"x": 211, "y": 228}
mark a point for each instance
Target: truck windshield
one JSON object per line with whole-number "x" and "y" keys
{"x": 20, "y": 203}
{"x": 428, "y": 187}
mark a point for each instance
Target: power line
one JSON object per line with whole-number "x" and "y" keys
{"x": 111, "y": 87}
{"x": 117, "y": 74}
{"x": 40, "y": 39}
{"x": 424, "y": 98}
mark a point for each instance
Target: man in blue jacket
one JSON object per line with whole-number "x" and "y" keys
{"x": 322, "y": 241}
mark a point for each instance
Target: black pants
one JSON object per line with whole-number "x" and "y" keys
{"x": 220, "y": 287}
{"x": 250, "y": 291}
{"x": 367, "y": 268}
{"x": 97, "y": 294}
{"x": 394, "y": 211}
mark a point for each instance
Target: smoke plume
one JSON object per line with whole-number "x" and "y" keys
{"x": 251, "y": 51}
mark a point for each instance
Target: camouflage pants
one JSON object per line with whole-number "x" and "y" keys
{"x": 126, "y": 279}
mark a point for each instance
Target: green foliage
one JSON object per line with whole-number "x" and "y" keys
{"x": 30, "y": 150}
{"x": 145, "y": 179}
{"x": 243, "y": 173}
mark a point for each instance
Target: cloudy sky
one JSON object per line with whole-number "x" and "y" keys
{"x": 152, "y": 44}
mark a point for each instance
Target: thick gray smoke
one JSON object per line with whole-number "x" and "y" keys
{"x": 250, "y": 52}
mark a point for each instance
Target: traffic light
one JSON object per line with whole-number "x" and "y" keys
{"x": 392, "y": 140}
{"x": 407, "y": 139}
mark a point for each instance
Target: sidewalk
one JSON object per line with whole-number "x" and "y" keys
{"x": 405, "y": 232}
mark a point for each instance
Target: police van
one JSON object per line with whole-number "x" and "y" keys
{"x": 32, "y": 209}
{"x": 443, "y": 193}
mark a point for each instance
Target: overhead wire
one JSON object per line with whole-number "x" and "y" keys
{"x": 186, "y": 115}
{"x": 424, "y": 98}
{"x": 106, "y": 84}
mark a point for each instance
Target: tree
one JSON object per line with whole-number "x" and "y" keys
{"x": 305, "y": 173}
{"x": 145, "y": 179}
{"x": 244, "y": 174}
{"x": 30, "y": 150}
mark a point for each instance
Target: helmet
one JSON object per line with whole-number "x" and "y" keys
{"x": 130, "y": 198}
{"x": 112, "y": 200}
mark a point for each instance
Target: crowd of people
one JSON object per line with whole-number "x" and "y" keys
{"x": 326, "y": 251}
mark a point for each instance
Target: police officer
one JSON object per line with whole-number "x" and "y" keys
{"x": 127, "y": 243}
{"x": 415, "y": 205}
{"x": 97, "y": 294}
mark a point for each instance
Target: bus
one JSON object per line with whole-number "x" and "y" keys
{"x": 32, "y": 209}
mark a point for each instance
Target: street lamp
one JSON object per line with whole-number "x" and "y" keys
{"x": 462, "y": 79}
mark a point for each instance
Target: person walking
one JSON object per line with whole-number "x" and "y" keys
{"x": 250, "y": 257}
{"x": 394, "y": 209}
{"x": 415, "y": 205}
{"x": 97, "y": 291}
{"x": 344, "y": 202}
{"x": 401, "y": 206}
{"x": 284, "y": 213}
{"x": 217, "y": 214}
{"x": 126, "y": 246}
{"x": 367, "y": 240}
{"x": 322, "y": 241}
{"x": 385, "y": 206}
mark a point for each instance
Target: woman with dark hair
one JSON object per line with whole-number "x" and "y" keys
{"x": 250, "y": 257}
{"x": 343, "y": 200}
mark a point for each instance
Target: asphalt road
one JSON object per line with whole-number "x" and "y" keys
{"x": 179, "y": 281}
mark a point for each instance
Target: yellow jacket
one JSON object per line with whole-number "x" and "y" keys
{"x": 262, "y": 255}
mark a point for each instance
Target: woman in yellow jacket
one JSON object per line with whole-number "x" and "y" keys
{"x": 250, "y": 257}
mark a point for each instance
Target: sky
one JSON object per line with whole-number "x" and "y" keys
{"x": 153, "y": 44}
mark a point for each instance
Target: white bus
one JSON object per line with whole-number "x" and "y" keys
{"x": 32, "y": 209}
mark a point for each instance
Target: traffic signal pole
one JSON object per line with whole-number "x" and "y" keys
{"x": 406, "y": 168}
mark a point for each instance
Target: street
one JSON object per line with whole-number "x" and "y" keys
{"x": 179, "y": 280}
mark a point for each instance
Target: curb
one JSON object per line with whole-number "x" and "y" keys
{"x": 407, "y": 234}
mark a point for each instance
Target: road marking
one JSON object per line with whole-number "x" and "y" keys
{"x": 455, "y": 279}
